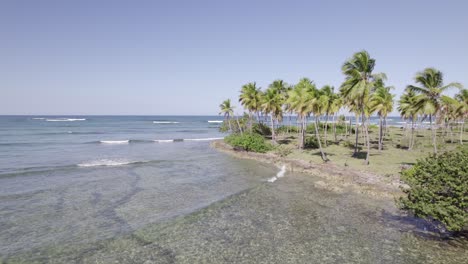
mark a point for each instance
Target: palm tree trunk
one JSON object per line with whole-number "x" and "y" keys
{"x": 434, "y": 135}
{"x": 346, "y": 126}
{"x": 334, "y": 128}
{"x": 356, "y": 131}
{"x": 412, "y": 135}
{"x": 366, "y": 130}
{"x": 380, "y": 132}
{"x": 229, "y": 122}
{"x": 250, "y": 121}
{"x": 461, "y": 132}
{"x": 451, "y": 133}
{"x": 324, "y": 156}
{"x": 273, "y": 137}
{"x": 302, "y": 133}
{"x": 238, "y": 124}
{"x": 325, "y": 132}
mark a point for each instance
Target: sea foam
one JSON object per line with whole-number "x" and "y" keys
{"x": 164, "y": 140}
{"x": 282, "y": 171}
{"x": 280, "y": 174}
{"x": 215, "y": 121}
{"x": 202, "y": 139}
{"x": 114, "y": 141}
{"x": 165, "y": 122}
{"x": 64, "y": 119}
{"x": 105, "y": 162}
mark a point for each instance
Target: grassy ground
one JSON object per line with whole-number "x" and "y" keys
{"x": 387, "y": 162}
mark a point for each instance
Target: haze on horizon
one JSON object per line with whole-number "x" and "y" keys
{"x": 185, "y": 57}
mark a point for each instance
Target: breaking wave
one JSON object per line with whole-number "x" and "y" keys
{"x": 64, "y": 119}
{"x": 107, "y": 162}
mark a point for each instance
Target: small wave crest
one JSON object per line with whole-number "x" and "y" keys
{"x": 215, "y": 121}
{"x": 164, "y": 140}
{"x": 64, "y": 119}
{"x": 202, "y": 139}
{"x": 280, "y": 174}
{"x": 282, "y": 171}
{"x": 114, "y": 141}
{"x": 165, "y": 122}
{"x": 106, "y": 162}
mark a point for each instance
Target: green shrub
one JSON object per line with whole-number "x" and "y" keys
{"x": 261, "y": 129}
{"x": 249, "y": 142}
{"x": 286, "y": 129}
{"x": 311, "y": 142}
{"x": 283, "y": 151}
{"x": 439, "y": 189}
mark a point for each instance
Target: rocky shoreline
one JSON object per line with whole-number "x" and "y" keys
{"x": 335, "y": 177}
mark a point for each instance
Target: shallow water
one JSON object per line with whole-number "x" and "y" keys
{"x": 183, "y": 202}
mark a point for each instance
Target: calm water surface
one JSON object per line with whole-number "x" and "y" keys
{"x": 96, "y": 189}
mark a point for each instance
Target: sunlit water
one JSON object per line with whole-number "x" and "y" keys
{"x": 66, "y": 197}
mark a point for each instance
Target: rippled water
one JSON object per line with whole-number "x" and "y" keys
{"x": 68, "y": 198}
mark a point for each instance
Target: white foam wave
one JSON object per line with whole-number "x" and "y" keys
{"x": 215, "y": 121}
{"x": 165, "y": 122}
{"x": 272, "y": 179}
{"x": 39, "y": 118}
{"x": 64, "y": 119}
{"x": 164, "y": 140}
{"x": 282, "y": 171}
{"x": 202, "y": 139}
{"x": 114, "y": 141}
{"x": 105, "y": 162}
{"x": 280, "y": 174}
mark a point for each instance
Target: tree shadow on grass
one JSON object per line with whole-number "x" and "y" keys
{"x": 284, "y": 141}
{"x": 320, "y": 154}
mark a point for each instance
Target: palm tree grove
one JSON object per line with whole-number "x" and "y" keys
{"x": 324, "y": 125}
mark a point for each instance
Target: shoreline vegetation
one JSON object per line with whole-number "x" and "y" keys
{"x": 368, "y": 158}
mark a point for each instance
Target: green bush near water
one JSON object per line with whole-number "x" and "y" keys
{"x": 249, "y": 142}
{"x": 439, "y": 189}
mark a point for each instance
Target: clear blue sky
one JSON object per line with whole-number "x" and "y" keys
{"x": 185, "y": 57}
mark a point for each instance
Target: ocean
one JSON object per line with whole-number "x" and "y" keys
{"x": 150, "y": 189}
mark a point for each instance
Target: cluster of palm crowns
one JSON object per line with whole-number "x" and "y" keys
{"x": 362, "y": 93}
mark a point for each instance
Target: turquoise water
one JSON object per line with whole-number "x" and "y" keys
{"x": 92, "y": 189}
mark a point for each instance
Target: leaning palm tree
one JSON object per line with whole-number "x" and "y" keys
{"x": 431, "y": 87}
{"x": 272, "y": 104}
{"x": 250, "y": 98}
{"x": 382, "y": 102}
{"x": 409, "y": 110}
{"x": 227, "y": 110}
{"x": 319, "y": 106}
{"x": 299, "y": 100}
{"x": 357, "y": 87}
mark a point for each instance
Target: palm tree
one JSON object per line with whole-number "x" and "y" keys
{"x": 382, "y": 102}
{"x": 431, "y": 87}
{"x": 407, "y": 106}
{"x": 330, "y": 105}
{"x": 319, "y": 106}
{"x": 299, "y": 101}
{"x": 272, "y": 104}
{"x": 357, "y": 87}
{"x": 227, "y": 110}
{"x": 250, "y": 98}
